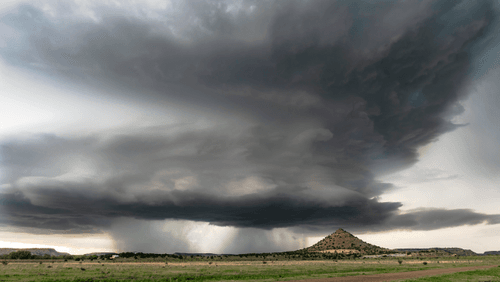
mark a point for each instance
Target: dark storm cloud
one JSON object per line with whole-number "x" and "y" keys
{"x": 429, "y": 219}
{"x": 333, "y": 92}
{"x": 189, "y": 177}
{"x": 38, "y": 219}
{"x": 202, "y": 176}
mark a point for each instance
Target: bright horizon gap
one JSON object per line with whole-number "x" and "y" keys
{"x": 414, "y": 239}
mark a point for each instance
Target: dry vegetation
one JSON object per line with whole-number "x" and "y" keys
{"x": 139, "y": 270}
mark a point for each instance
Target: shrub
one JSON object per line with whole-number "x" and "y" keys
{"x": 4, "y": 263}
{"x": 20, "y": 255}
{"x": 400, "y": 261}
{"x": 425, "y": 263}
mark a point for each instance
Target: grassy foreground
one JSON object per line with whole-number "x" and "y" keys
{"x": 492, "y": 274}
{"x": 18, "y": 270}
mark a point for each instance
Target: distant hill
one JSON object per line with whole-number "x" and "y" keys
{"x": 344, "y": 242}
{"x": 202, "y": 254}
{"x": 100, "y": 254}
{"x": 439, "y": 251}
{"x": 34, "y": 251}
{"x": 492, "y": 253}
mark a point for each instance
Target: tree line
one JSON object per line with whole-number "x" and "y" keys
{"x": 294, "y": 255}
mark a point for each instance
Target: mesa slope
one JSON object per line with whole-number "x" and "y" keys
{"x": 342, "y": 241}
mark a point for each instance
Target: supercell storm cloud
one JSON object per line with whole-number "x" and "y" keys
{"x": 297, "y": 107}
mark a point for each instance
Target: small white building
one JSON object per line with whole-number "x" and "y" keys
{"x": 114, "y": 256}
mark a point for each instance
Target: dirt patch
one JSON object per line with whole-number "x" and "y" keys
{"x": 394, "y": 276}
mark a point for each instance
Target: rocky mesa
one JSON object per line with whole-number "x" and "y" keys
{"x": 34, "y": 251}
{"x": 342, "y": 241}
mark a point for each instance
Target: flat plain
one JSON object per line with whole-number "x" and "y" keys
{"x": 137, "y": 270}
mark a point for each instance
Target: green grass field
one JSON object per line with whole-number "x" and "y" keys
{"x": 125, "y": 270}
{"x": 492, "y": 274}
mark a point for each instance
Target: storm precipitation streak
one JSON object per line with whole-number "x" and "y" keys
{"x": 291, "y": 109}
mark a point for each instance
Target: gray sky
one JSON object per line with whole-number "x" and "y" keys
{"x": 247, "y": 126}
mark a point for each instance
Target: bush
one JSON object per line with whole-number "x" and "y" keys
{"x": 20, "y": 255}
{"x": 425, "y": 263}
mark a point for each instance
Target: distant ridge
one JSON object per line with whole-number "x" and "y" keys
{"x": 440, "y": 251}
{"x": 100, "y": 254}
{"x": 202, "y": 254}
{"x": 492, "y": 253}
{"x": 342, "y": 241}
{"x": 34, "y": 251}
